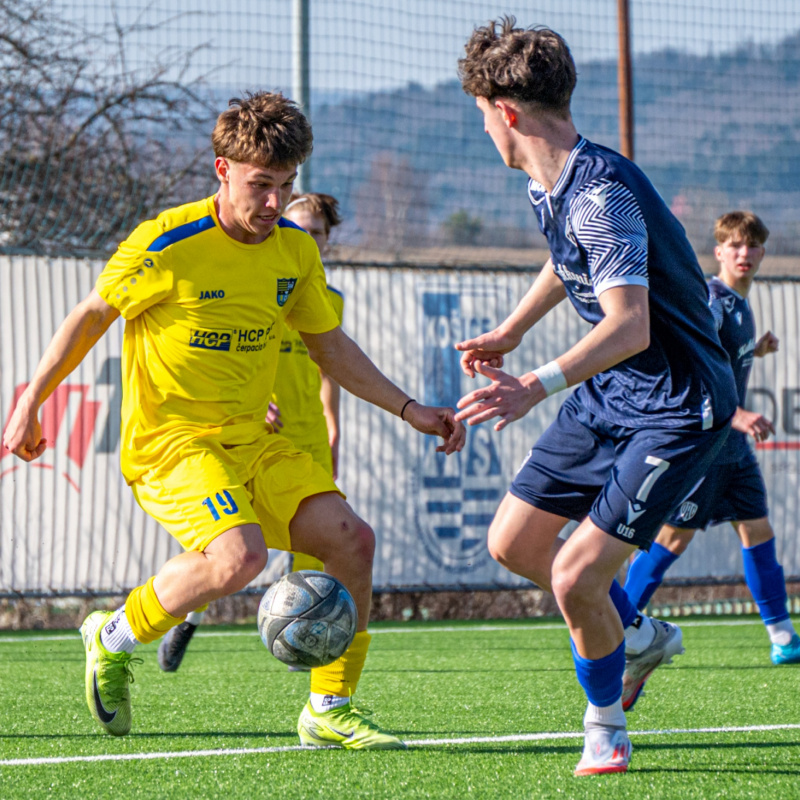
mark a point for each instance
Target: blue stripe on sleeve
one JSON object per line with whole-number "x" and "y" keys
{"x": 181, "y": 232}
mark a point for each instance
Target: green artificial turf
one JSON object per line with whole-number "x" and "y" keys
{"x": 471, "y": 691}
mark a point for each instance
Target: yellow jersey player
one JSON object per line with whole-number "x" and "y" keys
{"x": 203, "y": 289}
{"x": 305, "y": 407}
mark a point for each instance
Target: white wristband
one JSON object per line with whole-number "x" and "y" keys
{"x": 551, "y": 377}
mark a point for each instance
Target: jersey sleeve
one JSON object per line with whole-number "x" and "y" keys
{"x": 313, "y": 311}
{"x": 337, "y": 301}
{"x": 135, "y": 279}
{"x": 717, "y": 310}
{"x": 609, "y": 225}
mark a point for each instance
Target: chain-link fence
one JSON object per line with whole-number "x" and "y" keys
{"x": 107, "y": 108}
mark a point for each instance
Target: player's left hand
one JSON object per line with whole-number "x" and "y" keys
{"x": 506, "y": 397}
{"x": 753, "y": 424}
{"x": 440, "y": 421}
{"x": 768, "y": 343}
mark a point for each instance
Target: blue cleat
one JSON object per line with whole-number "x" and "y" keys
{"x": 786, "y": 653}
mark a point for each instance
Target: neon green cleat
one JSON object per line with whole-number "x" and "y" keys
{"x": 344, "y": 727}
{"x": 107, "y": 677}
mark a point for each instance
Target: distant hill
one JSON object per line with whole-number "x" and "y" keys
{"x": 712, "y": 132}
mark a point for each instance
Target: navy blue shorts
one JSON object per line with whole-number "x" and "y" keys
{"x": 729, "y": 493}
{"x": 627, "y": 480}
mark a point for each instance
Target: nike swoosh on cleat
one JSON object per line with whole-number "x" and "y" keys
{"x": 105, "y": 717}
{"x": 345, "y": 735}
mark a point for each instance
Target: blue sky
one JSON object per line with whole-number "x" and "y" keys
{"x": 368, "y": 45}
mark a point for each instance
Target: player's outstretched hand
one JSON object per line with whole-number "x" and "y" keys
{"x": 23, "y": 435}
{"x": 506, "y": 397}
{"x": 753, "y": 424}
{"x": 440, "y": 421}
{"x": 488, "y": 348}
{"x": 768, "y": 343}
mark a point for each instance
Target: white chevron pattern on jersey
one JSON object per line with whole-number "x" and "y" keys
{"x": 608, "y": 223}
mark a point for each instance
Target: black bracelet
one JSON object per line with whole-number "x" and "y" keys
{"x": 405, "y": 406}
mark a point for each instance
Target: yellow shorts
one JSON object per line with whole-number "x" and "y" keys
{"x": 320, "y": 451}
{"x": 217, "y": 487}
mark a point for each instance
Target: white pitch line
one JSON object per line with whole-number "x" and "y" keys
{"x": 556, "y": 626}
{"x": 244, "y": 751}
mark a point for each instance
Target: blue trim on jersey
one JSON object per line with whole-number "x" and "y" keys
{"x": 566, "y": 173}
{"x": 287, "y": 223}
{"x": 180, "y": 233}
{"x": 335, "y": 291}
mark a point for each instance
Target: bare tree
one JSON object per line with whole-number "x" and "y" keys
{"x": 392, "y": 204}
{"x": 89, "y": 146}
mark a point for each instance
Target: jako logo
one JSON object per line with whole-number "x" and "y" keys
{"x": 210, "y": 340}
{"x": 214, "y": 294}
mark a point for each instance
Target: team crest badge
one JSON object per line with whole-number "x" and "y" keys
{"x": 687, "y": 511}
{"x": 285, "y": 288}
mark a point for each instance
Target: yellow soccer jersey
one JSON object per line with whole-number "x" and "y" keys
{"x": 201, "y": 339}
{"x": 297, "y": 387}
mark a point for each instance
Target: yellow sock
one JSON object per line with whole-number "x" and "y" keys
{"x": 146, "y": 615}
{"x": 341, "y": 678}
{"x": 303, "y": 561}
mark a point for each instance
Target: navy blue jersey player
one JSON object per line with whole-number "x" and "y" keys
{"x": 655, "y": 390}
{"x": 733, "y": 490}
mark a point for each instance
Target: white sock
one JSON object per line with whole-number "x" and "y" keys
{"x": 607, "y": 715}
{"x": 116, "y": 635}
{"x": 327, "y": 702}
{"x": 780, "y": 632}
{"x": 639, "y": 635}
{"x": 195, "y": 617}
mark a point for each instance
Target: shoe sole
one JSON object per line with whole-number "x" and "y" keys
{"x": 579, "y": 773}
{"x": 324, "y": 744}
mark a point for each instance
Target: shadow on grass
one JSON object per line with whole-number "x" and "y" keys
{"x": 159, "y": 735}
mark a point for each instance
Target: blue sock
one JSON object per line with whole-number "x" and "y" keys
{"x": 764, "y": 577}
{"x": 601, "y": 678}
{"x": 646, "y": 573}
{"x": 625, "y": 608}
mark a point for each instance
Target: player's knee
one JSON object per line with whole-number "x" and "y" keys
{"x": 498, "y": 547}
{"x": 572, "y": 589}
{"x": 362, "y": 542}
{"x": 497, "y": 551}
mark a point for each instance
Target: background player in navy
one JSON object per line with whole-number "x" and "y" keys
{"x": 656, "y": 390}
{"x": 733, "y": 491}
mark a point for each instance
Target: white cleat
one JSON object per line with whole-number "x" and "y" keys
{"x": 668, "y": 642}
{"x": 606, "y": 749}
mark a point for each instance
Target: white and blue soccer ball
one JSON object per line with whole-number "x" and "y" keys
{"x": 307, "y": 618}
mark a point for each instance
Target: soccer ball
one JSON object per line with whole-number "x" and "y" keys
{"x": 307, "y": 618}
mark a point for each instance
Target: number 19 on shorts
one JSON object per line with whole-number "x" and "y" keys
{"x": 222, "y": 501}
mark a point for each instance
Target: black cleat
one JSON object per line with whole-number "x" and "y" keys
{"x": 173, "y": 646}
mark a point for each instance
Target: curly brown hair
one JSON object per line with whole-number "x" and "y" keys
{"x": 323, "y": 205}
{"x": 531, "y": 65}
{"x": 741, "y": 223}
{"x": 265, "y": 129}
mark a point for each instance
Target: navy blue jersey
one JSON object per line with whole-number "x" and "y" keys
{"x": 607, "y": 226}
{"x": 737, "y": 332}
